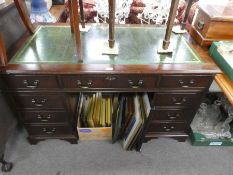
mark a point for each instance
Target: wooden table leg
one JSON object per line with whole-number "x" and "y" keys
{"x": 82, "y": 13}
{"x": 75, "y": 24}
{"x": 112, "y": 5}
{"x": 187, "y": 10}
{"x": 24, "y": 16}
{"x": 170, "y": 23}
{"x": 3, "y": 56}
{"x": 71, "y": 16}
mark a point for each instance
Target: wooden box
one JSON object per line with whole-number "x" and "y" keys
{"x": 86, "y": 132}
{"x": 103, "y": 133}
{"x": 213, "y": 23}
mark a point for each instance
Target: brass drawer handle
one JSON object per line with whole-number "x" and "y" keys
{"x": 88, "y": 85}
{"x": 44, "y": 118}
{"x": 34, "y": 84}
{"x": 137, "y": 85}
{"x": 47, "y": 131}
{"x": 110, "y": 78}
{"x": 166, "y": 128}
{"x": 200, "y": 24}
{"x": 39, "y": 104}
{"x": 188, "y": 84}
{"x": 172, "y": 117}
{"x": 180, "y": 102}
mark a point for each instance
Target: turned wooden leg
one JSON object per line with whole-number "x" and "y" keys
{"x": 23, "y": 14}
{"x": 71, "y": 16}
{"x": 170, "y": 22}
{"x": 75, "y": 23}
{"x": 82, "y": 17}
{"x": 187, "y": 9}
{"x": 112, "y": 6}
{"x": 3, "y": 56}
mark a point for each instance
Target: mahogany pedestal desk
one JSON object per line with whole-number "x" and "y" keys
{"x": 43, "y": 79}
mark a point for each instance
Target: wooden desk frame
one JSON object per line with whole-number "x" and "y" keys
{"x": 28, "y": 85}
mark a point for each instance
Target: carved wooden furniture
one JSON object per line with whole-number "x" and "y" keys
{"x": 213, "y": 23}
{"x": 170, "y": 22}
{"x": 187, "y": 10}
{"x": 44, "y": 79}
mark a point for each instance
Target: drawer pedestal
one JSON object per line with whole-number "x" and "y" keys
{"x": 48, "y": 109}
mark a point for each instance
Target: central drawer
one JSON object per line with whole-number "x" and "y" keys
{"x": 35, "y": 101}
{"x": 135, "y": 81}
{"x": 85, "y": 81}
{"x": 110, "y": 81}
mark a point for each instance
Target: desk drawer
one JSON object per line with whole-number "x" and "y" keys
{"x": 172, "y": 114}
{"x": 44, "y": 117}
{"x": 135, "y": 81}
{"x": 44, "y": 101}
{"x": 85, "y": 81}
{"x": 166, "y": 127}
{"x": 129, "y": 81}
{"x": 185, "y": 81}
{"x": 30, "y": 81}
{"x": 177, "y": 99}
{"x": 49, "y": 130}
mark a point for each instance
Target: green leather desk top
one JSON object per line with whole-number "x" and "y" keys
{"x": 137, "y": 45}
